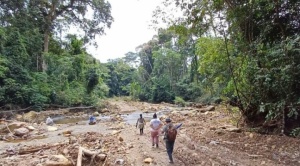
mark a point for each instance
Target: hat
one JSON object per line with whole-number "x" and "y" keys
{"x": 168, "y": 120}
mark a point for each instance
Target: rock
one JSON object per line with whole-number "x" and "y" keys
{"x": 30, "y": 128}
{"x": 120, "y": 125}
{"x": 14, "y": 125}
{"x": 130, "y": 146}
{"x": 102, "y": 156}
{"x": 72, "y": 140}
{"x": 65, "y": 151}
{"x": 58, "y": 160}
{"x": 119, "y": 161}
{"x": 148, "y": 160}
{"x": 68, "y": 132}
{"x": 30, "y": 116}
{"x": 19, "y": 117}
{"x": 96, "y": 113}
{"x": 194, "y": 154}
{"x": 273, "y": 147}
{"x": 104, "y": 110}
{"x": 191, "y": 146}
{"x": 21, "y": 131}
{"x": 212, "y": 128}
{"x": 219, "y": 132}
{"x": 234, "y": 129}
{"x": 251, "y": 135}
{"x": 121, "y": 139}
{"x": 263, "y": 163}
{"x": 115, "y": 132}
{"x": 145, "y": 154}
{"x": 213, "y": 142}
{"x": 175, "y": 112}
{"x": 206, "y": 109}
{"x": 51, "y": 128}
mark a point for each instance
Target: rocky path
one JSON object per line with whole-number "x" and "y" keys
{"x": 206, "y": 138}
{"x": 142, "y": 148}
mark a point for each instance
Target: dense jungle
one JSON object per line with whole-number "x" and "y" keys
{"x": 241, "y": 56}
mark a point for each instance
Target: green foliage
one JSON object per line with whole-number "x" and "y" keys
{"x": 179, "y": 101}
{"x": 135, "y": 90}
{"x": 70, "y": 79}
{"x": 188, "y": 91}
{"x": 161, "y": 91}
{"x": 295, "y": 132}
{"x": 120, "y": 75}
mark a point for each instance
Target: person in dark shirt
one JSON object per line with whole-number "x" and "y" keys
{"x": 169, "y": 143}
{"x": 92, "y": 120}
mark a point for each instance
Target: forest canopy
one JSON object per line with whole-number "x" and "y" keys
{"x": 242, "y": 52}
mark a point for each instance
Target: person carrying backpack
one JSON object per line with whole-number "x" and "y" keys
{"x": 141, "y": 123}
{"x": 170, "y": 133}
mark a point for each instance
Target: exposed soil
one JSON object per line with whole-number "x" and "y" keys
{"x": 205, "y": 138}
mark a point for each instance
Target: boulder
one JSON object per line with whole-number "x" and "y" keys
{"x": 101, "y": 156}
{"x": 51, "y": 128}
{"x": 234, "y": 129}
{"x": 19, "y": 117}
{"x": 58, "y": 160}
{"x": 191, "y": 146}
{"x": 21, "y": 131}
{"x": 104, "y": 110}
{"x": 251, "y": 135}
{"x": 213, "y": 128}
{"x": 30, "y": 128}
{"x": 148, "y": 160}
{"x": 206, "y": 109}
{"x": 115, "y": 132}
{"x": 30, "y": 116}
{"x": 67, "y": 132}
{"x": 96, "y": 113}
{"x": 119, "y": 162}
{"x": 15, "y": 125}
{"x": 121, "y": 139}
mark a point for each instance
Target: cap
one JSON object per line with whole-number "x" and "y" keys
{"x": 168, "y": 120}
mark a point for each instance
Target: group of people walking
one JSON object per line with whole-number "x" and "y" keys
{"x": 168, "y": 131}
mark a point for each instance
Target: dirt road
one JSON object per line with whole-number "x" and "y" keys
{"x": 206, "y": 138}
{"x": 209, "y": 138}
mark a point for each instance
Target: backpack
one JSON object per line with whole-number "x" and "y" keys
{"x": 171, "y": 133}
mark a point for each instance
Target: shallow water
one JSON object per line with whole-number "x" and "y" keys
{"x": 132, "y": 117}
{"x": 69, "y": 120}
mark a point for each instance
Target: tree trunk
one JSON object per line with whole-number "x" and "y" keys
{"x": 46, "y": 48}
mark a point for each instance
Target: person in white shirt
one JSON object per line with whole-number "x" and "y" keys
{"x": 49, "y": 121}
{"x": 155, "y": 125}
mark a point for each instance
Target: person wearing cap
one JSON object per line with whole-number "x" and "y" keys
{"x": 169, "y": 144}
{"x": 141, "y": 123}
{"x": 155, "y": 125}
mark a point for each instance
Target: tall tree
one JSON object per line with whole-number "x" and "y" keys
{"x": 91, "y": 16}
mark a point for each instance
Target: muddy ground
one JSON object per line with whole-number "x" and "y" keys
{"x": 205, "y": 138}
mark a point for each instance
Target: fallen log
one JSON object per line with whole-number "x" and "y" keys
{"x": 79, "y": 157}
{"x": 74, "y": 109}
{"x": 36, "y": 149}
{"x": 88, "y": 153}
{"x": 11, "y": 113}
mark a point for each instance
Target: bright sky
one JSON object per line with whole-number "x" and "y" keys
{"x": 129, "y": 29}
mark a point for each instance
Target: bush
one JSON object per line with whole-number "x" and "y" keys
{"x": 179, "y": 101}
